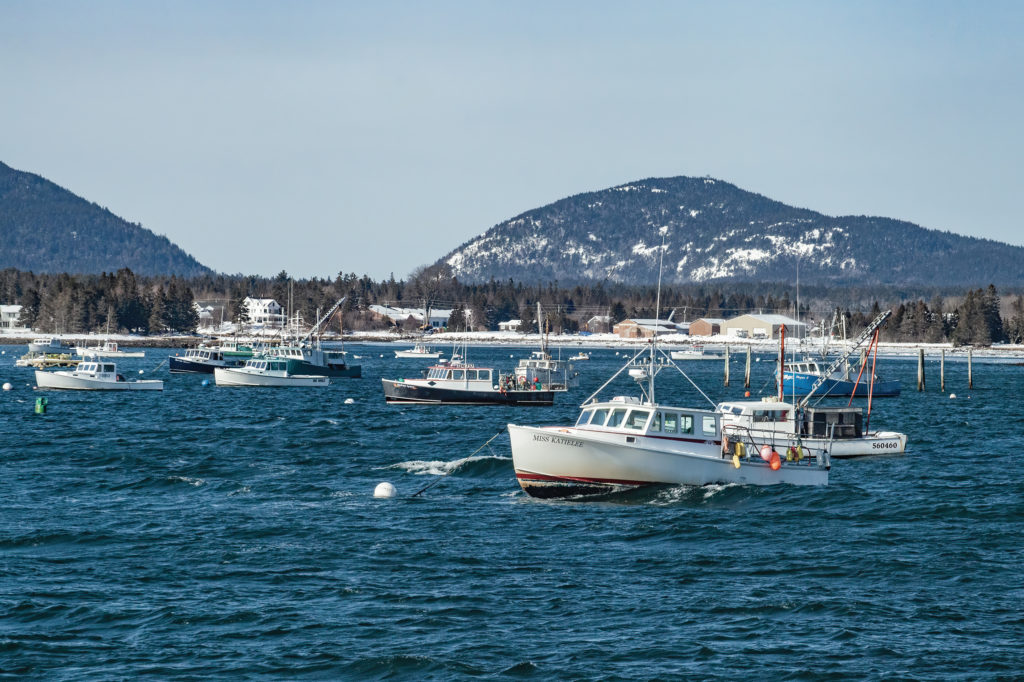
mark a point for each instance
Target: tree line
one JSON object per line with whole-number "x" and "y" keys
{"x": 125, "y": 302}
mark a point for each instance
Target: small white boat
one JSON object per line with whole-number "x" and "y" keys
{"x": 94, "y": 376}
{"x": 540, "y": 368}
{"x": 695, "y": 353}
{"x": 580, "y": 356}
{"x": 108, "y": 349}
{"x": 49, "y": 345}
{"x": 266, "y": 372}
{"x": 418, "y": 350}
{"x": 798, "y": 431}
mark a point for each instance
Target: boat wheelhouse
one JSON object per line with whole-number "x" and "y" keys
{"x": 799, "y": 431}
{"x": 202, "y": 361}
{"x": 315, "y": 360}
{"x": 540, "y": 368}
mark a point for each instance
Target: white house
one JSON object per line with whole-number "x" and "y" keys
{"x": 9, "y": 315}
{"x": 510, "y": 325}
{"x": 264, "y": 311}
{"x": 438, "y": 316}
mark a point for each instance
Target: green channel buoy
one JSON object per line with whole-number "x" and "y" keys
{"x": 40, "y": 405}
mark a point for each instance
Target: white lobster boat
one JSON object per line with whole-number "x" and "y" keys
{"x": 271, "y": 372}
{"x": 629, "y": 442}
{"x": 783, "y": 426}
{"x": 418, "y": 350}
{"x": 108, "y": 349}
{"x": 94, "y": 376}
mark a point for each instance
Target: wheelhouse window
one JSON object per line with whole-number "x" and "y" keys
{"x": 484, "y": 374}
{"x": 671, "y": 422}
{"x": 458, "y": 374}
{"x": 615, "y": 418}
{"x": 656, "y": 422}
{"x": 686, "y": 423}
{"x": 709, "y": 424}
{"x": 637, "y": 419}
{"x": 585, "y": 416}
{"x": 599, "y": 417}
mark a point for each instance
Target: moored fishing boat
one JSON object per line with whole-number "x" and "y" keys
{"x": 304, "y": 359}
{"x": 461, "y": 383}
{"x": 419, "y": 350}
{"x": 267, "y": 372}
{"x": 94, "y": 376}
{"x": 695, "y": 353}
{"x": 799, "y": 376}
{"x": 202, "y": 361}
{"x": 49, "y": 345}
{"x": 108, "y": 349}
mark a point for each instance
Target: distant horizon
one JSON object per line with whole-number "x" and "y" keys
{"x": 377, "y": 138}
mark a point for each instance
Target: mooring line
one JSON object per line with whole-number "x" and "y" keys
{"x": 443, "y": 476}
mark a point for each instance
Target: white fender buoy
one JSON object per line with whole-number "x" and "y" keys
{"x": 142, "y": 371}
{"x": 349, "y": 401}
{"x": 384, "y": 489}
{"x": 952, "y": 396}
{"x": 7, "y": 386}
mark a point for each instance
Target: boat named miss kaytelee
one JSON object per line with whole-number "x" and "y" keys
{"x": 629, "y": 442}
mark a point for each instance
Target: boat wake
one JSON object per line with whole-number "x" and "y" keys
{"x": 473, "y": 466}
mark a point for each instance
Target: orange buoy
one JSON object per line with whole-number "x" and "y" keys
{"x": 746, "y": 394}
{"x": 766, "y": 452}
{"x": 775, "y": 461}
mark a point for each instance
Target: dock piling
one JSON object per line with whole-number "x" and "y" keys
{"x": 920, "y": 369}
{"x": 970, "y": 368}
{"x": 746, "y": 372}
{"x": 727, "y": 366}
{"x": 942, "y": 371}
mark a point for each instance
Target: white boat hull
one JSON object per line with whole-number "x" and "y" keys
{"x": 414, "y": 354}
{"x": 869, "y": 445}
{"x": 226, "y": 376}
{"x": 65, "y": 380}
{"x": 99, "y": 353}
{"x": 559, "y": 462}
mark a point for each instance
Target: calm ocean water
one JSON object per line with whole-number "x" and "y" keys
{"x": 209, "y": 532}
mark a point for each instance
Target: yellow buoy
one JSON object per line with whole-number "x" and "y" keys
{"x": 736, "y": 461}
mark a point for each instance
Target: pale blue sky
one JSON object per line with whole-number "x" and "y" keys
{"x": 373, "y": 137}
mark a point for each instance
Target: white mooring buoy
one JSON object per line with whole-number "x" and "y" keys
{"x": 384, "y": 489}
{"x": 952, "y": 396}
{"x": 142, "y": 371}
{"x": 349, "y": 401}
{"x": 7, "y": 386}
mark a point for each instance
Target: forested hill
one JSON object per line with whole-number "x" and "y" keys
{"x": 719, "y": 232}
{"x": 46, "y": 228}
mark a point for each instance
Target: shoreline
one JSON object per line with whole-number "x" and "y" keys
{"x": 736, "y": 346}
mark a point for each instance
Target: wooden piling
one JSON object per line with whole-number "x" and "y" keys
{"x": 920, "y": 369}
{"x": 970, "y": 368}
{"x": 726, "y": 365}
{"x": 942, "y": 371}
{"x": 746, "y": 372}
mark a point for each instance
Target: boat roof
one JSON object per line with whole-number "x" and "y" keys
{"x": 632, "y": 401}
{"x": 751, "y": 405}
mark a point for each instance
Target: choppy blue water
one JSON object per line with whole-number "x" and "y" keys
{"x": 232, "y": 533}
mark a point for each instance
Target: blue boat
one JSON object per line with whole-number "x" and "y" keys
{"x": 799, "y": 377}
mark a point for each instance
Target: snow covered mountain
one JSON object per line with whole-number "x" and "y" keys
{"x": 717, "y": 231}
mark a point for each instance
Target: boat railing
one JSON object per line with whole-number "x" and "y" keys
{"x": 740, "y": 440}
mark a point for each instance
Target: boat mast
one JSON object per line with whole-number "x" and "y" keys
{"x": 657, "y": 320}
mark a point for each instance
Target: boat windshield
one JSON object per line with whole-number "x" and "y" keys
{"x": 637, "y": 419}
